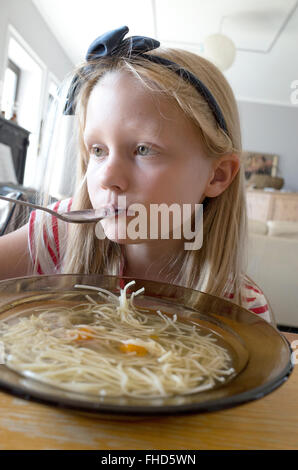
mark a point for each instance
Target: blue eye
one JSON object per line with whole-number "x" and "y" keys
{"x": 96, "y": 151}
{"x": 144, "y": 150}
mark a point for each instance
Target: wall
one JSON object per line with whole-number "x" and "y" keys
{"x": 262, "y": 86}
{"x": 26, "y": 19}
{"x": 267, "y": 76}
{"x": 272, "y": 128}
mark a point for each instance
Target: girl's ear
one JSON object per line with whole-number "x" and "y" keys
{"x": 224, "y": 170}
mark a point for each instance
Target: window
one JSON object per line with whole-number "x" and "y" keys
{"x": 49, "y": 117}
{"x": 11, "y": 89}
{"x": 23, "y": 93}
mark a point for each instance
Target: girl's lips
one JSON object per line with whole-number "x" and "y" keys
{"x": 126, "y": 211}
{"x": 119, "y": 211}
{"x": 115, "y": 212}
{"x": 113, "y": 208}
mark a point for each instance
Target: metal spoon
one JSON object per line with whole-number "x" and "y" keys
{"x": 75, "y": 217}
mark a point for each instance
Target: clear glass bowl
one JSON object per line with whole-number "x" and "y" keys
{"x": 261, "y": 355}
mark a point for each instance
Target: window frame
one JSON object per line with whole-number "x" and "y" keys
{"x": 15, "y": 69}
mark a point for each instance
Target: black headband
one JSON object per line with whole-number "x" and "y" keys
{"x": 113, "y": 44}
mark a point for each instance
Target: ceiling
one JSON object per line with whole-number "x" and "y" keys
{"x": 253, "y": 25}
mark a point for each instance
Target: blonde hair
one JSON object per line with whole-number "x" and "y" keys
{"x": 218, "y": 267}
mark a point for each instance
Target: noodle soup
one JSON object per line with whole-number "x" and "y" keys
{"x": 104, "y": 345}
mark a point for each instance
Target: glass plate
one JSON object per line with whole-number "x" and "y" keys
{"x": 261, "y": 355}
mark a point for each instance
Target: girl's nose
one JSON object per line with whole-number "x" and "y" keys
{"x": 113, "y": 174}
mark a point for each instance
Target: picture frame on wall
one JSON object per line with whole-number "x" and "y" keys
{"x": 260, "y": 164}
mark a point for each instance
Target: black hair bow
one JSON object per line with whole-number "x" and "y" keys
{"x": 110, "y": 44}
{"x": 113, "y": 43}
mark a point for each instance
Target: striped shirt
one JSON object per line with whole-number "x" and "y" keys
{"x": 55, "y": 231}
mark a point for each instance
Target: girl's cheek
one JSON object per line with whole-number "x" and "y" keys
{"x": 93, "y": 177}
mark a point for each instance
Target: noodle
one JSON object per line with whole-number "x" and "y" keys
{"x": 110, "y": 347}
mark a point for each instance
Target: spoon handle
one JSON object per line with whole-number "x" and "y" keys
{"x": 75, "y": 217}
{"x": 35, "y": 206}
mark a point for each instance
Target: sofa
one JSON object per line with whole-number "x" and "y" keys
{"x": 273, "y": 265}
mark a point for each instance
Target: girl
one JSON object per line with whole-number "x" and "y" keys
{"x": 156, "y": 126}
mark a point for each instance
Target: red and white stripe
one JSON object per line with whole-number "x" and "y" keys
{"x": 49, "y": 257}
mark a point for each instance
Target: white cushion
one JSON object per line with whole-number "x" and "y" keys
{"x": 257, "y": 226}
{"x": 273, "y": 264}
{"x": 282, "y": 228}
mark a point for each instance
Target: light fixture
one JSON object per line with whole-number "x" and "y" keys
{"x": 220, "y": 50}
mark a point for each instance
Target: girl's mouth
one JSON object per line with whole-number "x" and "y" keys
{"x": 119, "y": 211}
{"x": 114, "y": 211}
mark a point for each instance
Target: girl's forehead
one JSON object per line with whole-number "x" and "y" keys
{"x": 122, "y": 87}
{"x": 119, "y": 96}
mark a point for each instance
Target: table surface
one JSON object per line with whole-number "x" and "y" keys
{"x": 268, "y": 423}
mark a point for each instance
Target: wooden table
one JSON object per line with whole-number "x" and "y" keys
{"x": 268, "y": 423}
